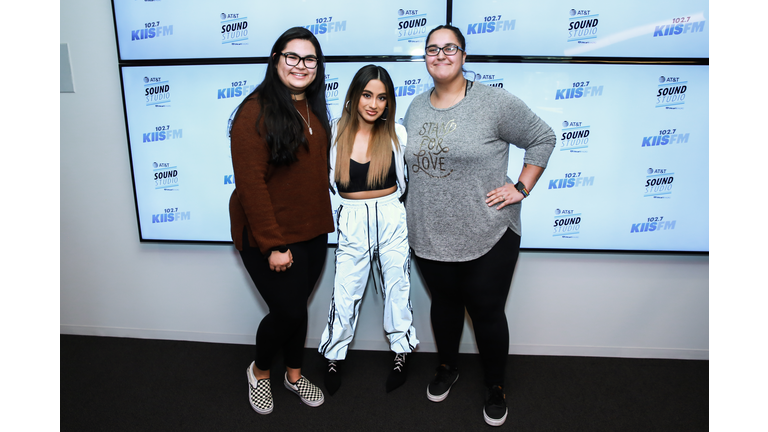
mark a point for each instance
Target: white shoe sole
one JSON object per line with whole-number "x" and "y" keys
{"x": 307, "y": 402}
{"x": 441, "y": 397}
{"x": 250, "y": 377}
{"x": 495, "y": 422}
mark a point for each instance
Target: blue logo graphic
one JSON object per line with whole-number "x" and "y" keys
{"x": 171, "y": 216}
{"x": 658, "y": 183}
{"x": 671, "y": 93}
{"x": 161, "y": 134}
{"x": 575, "y": 137}
{"x": 582, "y": 26}
{"x": 666, "y": 137}
{"x": 491, "y": 24}
{"x": 166, "y": 177}
{"x": 412, "y": 87}
{"x": 326, "y": 25}
{"x": 151, "y": 30}
{"x": 332, "y": 90}
{"x": 571, "y": 180}
{"x": 411, "y": 26}
{"x": 235, "y": 91}
{"x": 567, "y": 224}
{"x": 679, "y": 26}
{"x": 654, "y": 224}
{"x": 156, "y": 92}
{"x": 234, "y": 29}
{"x": 578, "y": 92}
{"x": 490, "y": 80}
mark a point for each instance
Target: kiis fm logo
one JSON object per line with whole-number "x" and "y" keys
{"x": 571, "y": 180}
{"x": 324, "y": 25}
{"x": 152, "y": 30}
{"x": 679, "y": 26}
{"x": 234, "y": 29}
{"x": 579, "y": 90}
{"x": 490, "y": 80}
{"x": 412, "y": 87}
{"x": 582, "y": 26}
{"x": 157, "y": 92}
{"x": 653, "y": 224}
{"x": 171, "y": 215}
{"x": 235, "y": 89}
{"x": 166, "y": 177}
{"x": 331, "y": 90}
{"x": 567, "y": 224}
{"x": 229, "y": 179}
{"x": 671, "y": 93}
{"x": 162, "y": 133}
{"x": 665, "y": 137}
{"x": 411, "y": 25}
{"x": 575, "y": 137}
{"x": 491, "y": 24}
{"x": 658, "y": 183}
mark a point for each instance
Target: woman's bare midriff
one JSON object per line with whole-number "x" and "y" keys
{"x": 368, "y": 194}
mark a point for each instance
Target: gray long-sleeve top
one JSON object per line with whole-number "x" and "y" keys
{"x": 455, "y": 156}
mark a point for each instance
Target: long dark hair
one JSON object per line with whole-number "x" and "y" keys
{"x": 382, "y": 135}
{"x": 278, "y": 119}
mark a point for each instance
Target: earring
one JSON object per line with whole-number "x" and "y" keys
{"x": 346, "y": 106}
{"x": 384, "y": 114}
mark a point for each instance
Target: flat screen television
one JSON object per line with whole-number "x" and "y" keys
{"x": 630, "y": 170}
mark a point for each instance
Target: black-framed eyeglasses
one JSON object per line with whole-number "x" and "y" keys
{"x": 293, "y": 59}
{"x": 448, "y": 50}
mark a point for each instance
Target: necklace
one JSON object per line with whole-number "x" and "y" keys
{"x": 467, "y": 86}
{"x": 302, "y": 117}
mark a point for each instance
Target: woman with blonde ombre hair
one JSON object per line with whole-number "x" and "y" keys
{"x": 367, "y": 170}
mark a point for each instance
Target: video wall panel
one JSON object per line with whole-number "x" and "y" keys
{"x": 184, "y": 29}
{"x": 630, "y": 170}
{"x": 601, "y": 28}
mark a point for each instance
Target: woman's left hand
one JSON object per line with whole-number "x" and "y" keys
{"x": 503, "y": 196}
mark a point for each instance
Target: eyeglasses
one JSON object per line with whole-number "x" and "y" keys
{"x": 293, "y": 59}
{"x": 448, "y": 50}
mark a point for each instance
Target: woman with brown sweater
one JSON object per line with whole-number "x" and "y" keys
{"x": 280, "y": 212}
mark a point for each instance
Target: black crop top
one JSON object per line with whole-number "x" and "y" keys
{"x": 358, "y": 177}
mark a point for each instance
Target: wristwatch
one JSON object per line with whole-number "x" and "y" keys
{"x": 521, "y": 188}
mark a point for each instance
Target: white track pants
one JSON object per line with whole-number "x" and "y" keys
{"x": 372, "y": 232}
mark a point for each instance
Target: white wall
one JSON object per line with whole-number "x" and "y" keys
{"x": 623, "y": 305}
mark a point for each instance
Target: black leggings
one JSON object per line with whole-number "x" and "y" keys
{"x": 286, "y": 293}
{"x": 481, "y": 286}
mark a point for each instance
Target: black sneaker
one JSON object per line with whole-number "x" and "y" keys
{"x": 398, "y": 374}
{"x": 333, "y": 376}
{"x": 495, "y": 411}
{"x": 439, "y": 388}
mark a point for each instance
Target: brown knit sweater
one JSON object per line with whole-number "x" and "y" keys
{"x": 278, "y": 205}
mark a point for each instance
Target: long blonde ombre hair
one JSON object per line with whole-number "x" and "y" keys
{"x": 383, "y": 133}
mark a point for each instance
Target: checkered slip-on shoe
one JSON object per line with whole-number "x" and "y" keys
{"x": 308, "y": 392}
{"x": 259, "y": 393}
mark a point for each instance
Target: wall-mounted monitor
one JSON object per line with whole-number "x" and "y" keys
{"x": 630, "y": 170}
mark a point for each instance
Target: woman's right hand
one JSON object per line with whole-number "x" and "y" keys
{"x": 280, "y": 261}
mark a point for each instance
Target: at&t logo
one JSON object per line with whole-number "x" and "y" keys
{"x": 670, "y": 93}
{"x": 234, "y": 29}
{"x": 658, "y": 183}
{"x": 157, "y": 92}
{"x": 575, "y": 137}
{"x": 567, "y": 224}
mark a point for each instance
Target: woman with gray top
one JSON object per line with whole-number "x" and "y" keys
{"x": 463, "y": 211}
